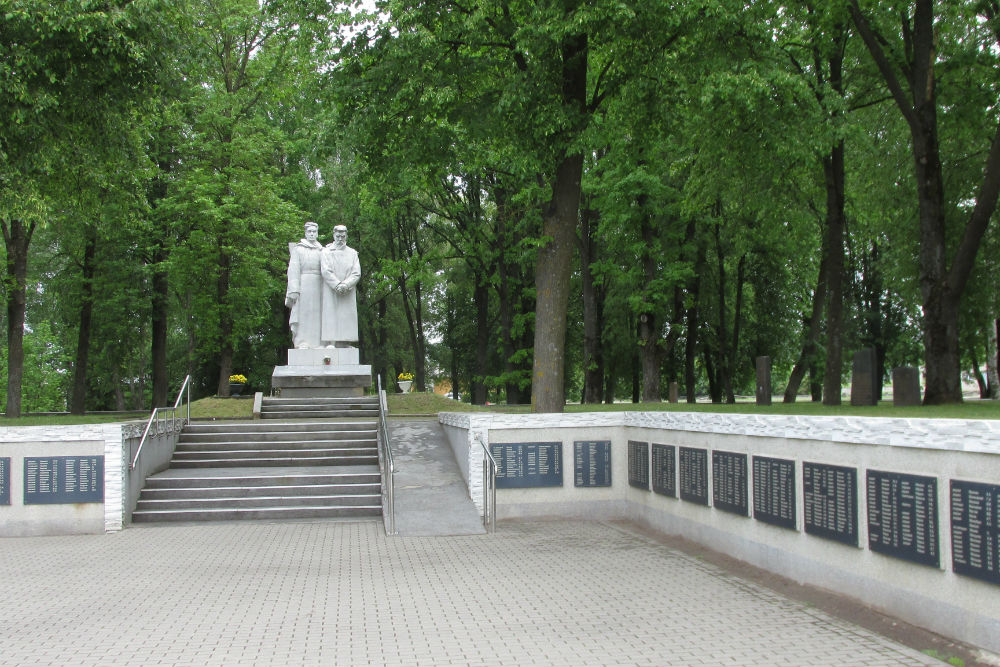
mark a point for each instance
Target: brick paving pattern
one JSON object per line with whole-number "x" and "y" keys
{"x": 326, "y": 593}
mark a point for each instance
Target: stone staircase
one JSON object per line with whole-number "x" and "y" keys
{"x": 320, "y": 408}
{"x": 319, "y": 461}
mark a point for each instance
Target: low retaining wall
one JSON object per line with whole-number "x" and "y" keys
{"x": 60, "y": 480}
{"x": 900, "y": 514}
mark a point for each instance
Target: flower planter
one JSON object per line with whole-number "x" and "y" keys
{"x": 404, "y": 385}
{"x": 235, "y": 388}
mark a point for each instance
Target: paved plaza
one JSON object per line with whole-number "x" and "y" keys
{"x": 328, "y": 593}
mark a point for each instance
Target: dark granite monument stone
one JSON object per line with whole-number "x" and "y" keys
{"x": 864, "y": 382}
{"x": 763, "y": 380}
{"x": 905, "y": 386}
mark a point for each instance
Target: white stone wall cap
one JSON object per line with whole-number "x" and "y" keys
{"x": 972, "y": 435}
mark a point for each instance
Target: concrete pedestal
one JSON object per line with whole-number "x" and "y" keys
{"x": 322, "y": 373}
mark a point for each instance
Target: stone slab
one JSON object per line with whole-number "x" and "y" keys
{"x": 324, "y": 356}
{"x": 763, "y": 380}
{"x": 905, "y": 386}
{"x": 344, "y": 381}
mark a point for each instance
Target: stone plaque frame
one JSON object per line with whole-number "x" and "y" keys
{"x": 903, "y": 516}
{"x": 730, "y": 482}
{"x": 823, "y": 484}
{"x": 692, "y": 473}
{"x": 592, "y": 463}
{"x": 63, "y": 480}
{"x": 638, "y": 464}
{"x": 774, "y": 491}
{"x": 523, "y": 465}
{"x": 975, "y": 530}
{"x": 664, "y": 472}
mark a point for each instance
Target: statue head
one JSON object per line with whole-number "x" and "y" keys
{"x": 340, "y": 236}
{"x": 312, "y": 231}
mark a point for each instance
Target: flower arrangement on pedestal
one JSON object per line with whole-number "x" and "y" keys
{"x": 236, "y": 383}
{"x": 405, "y": 380}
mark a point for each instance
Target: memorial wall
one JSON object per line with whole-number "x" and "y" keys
{"x": 61, "y": 480}
{"x": 900, "y": 514}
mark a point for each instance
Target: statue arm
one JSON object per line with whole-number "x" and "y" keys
{"x": 355, "y": 275}
{"x": 294, "y": 277}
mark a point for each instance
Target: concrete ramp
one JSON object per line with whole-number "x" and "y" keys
{"x": 431, "y": 496}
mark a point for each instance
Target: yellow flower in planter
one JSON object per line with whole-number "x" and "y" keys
{"x": 238, "y": 379}
{"x": 406, "y": 377}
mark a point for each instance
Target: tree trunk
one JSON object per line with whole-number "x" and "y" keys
{"x": 741, "y": 278}
{"x": 833, "y": 171}
{"x": 691, "y": 318}
{"x": 78, "y": 397}
{"x": 806, "y": 360}
{"x": 158, "y": 348}
{"x": 722, "y": 382}
{"x": 992, "y": 354}
{"x": 17, "y": 238}
{"x": 649, "y": 321}
{"x": 593, "y": 311}
{"x": 225, "y": 325}
{"x": 481, "y": 298}
{"x": 554, "y": 264}
{"x": 941, "y": 287}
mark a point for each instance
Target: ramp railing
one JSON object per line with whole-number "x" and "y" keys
{"x": 489, "y": 486}
{"x": 157, "y": 424}
{"x": 386, "y": 466}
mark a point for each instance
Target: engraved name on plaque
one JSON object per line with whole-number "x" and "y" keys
{"x": 830, "y": 498}
{"x": 665, "y": 470}
{"x": 729, "y": 482}
{"x": 774, "y": 491}
{"x": 527, "y": 464}
{"x": 975, "y": 530}
{"x": 5, "y": 480}
{"x": 903, "y": 516}
{"x": 592, "y": 463}
{"x": 60, "y": 480}
{"x": 638, "y": 464}
{"x": 693, "y": 474}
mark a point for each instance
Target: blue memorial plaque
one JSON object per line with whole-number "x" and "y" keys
{"x": 774, "y": 491}
{"x": 693, "y": 467}
{"x": 60, "y": 480}
{"x": 5, "y": 480}
{"x": 975, "y": 530}
{"x": 830, "y": 496}
{"x": 638, "y": 464}
{"x": 592, "y": 463}
{"x": 665, "y": 470}
{"x": 729, "y": 482}
{"x": 527, "y": 464}
{"x": 903, "y": 516}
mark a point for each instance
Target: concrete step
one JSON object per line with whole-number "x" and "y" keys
{"x": 314, "y": 413}
{"x": 227, "y": 462}
{"x": 241, "y": 476}
{"x": 277, "y": 436}
{"x": 289, "y": 490}
{"x": 229, "y": 514}
{"x": 240, "y": 454}
{"x": 352, "y": 400}
{"x": 259, "y": 502}
{"x": 259, "y": 427}
{"x": 275, "y": 444}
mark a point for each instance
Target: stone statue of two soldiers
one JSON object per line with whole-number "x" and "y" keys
{"x": 322, "y": 291}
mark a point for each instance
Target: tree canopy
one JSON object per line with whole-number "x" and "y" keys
{"x": 561, "y": 200}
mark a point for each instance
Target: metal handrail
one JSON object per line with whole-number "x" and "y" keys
{"x": 160, "y": 423}
{"x": 386, "y": 466}
{"x": 489, "y": 486}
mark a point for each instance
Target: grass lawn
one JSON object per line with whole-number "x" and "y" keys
{"x": 426, "y": 403}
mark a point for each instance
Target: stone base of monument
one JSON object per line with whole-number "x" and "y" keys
{"x": 332, "y": 372}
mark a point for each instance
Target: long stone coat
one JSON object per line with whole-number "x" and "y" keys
{"x": 340, "y": 311}
{"x": 305, "y": 278}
